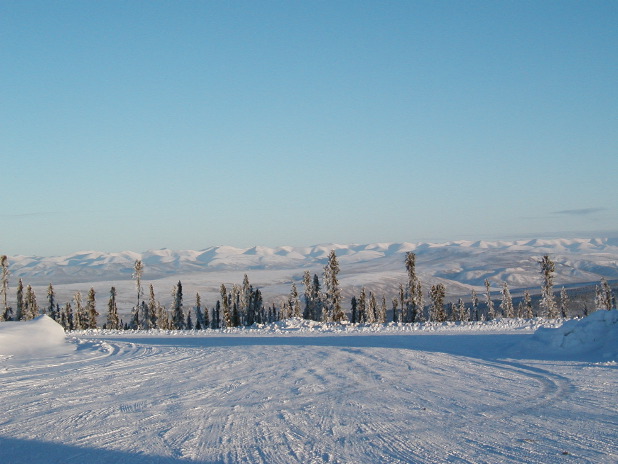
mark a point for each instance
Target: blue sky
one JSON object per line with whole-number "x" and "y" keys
{"x": 131, "y": 125}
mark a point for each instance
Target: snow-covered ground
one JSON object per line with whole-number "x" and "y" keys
{"x": 300, "y": 392}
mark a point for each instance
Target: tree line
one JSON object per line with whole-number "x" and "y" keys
{"x": 242, "y": 305}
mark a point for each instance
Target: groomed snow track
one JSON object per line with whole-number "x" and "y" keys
{"x": 385, "y": 398}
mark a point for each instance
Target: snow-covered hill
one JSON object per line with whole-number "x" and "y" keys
{"x": 463, "y": 263}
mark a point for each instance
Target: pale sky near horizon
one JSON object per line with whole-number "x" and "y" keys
{"x": 133, "y": 125}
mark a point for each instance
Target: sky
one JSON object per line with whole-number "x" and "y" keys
{"x": 136, "y": 125}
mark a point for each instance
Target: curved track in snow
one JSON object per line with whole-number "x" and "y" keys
{"x": 323, "y": 399}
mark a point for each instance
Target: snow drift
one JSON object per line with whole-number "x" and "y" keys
{"x": 41, "y": 336}
{"x": 595, "y": 335}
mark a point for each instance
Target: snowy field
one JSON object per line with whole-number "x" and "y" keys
{"x": 302, "y": 392}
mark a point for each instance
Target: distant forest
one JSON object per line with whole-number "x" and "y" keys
{"x": 242, "y": 304}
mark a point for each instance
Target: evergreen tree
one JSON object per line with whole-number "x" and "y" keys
{"x": 138, "y": 271}
{"x": 294, "y": 301}
{"x": 91, "y": 310}
{"x": 371, "y": 309}
{"x": 412, "y": 306}
{"x": 151, "y": 317}
{"x": 395, "y": 303}
{"x": 354, "y": 305}
{"x": 178, "y": 317}
{"x": 564, "y": 303}
{"x": 362, "y": 307}
{"x": 69, "y": 320}
{"x": 316, "y": 297}
{"x": 113, "y": 322}
{"x": 463, "y": 314}
{"x": 506, "y": 305}
{"x": 604, "y": 299}
{"x": 4, "y": 288}
{"x": 80, "y": 320}
{"x": 216, "y": 316}
{"x": 548, "y": 303}
{"x": 420, "y": 315}
{"x": 307, "y": 313}
{"x": 474, "y": 300}
{"x": 382, "y": 311}
{"x": 491, "y": 311}
{"x": 200, "y": 322}
{"x": 402, "y": 299}
{"x": 189, "y": 323}
{"x": 334, "y": 311}
{"x": 19, "y": 313}
{"x": 31, "y": 308}
{"x": 437, "y": 294}
{"x": 528, "y": 314}
{"x": 227, "y": 314}
{"x": 163, "y": 319}
{"x": 51, "y": 302}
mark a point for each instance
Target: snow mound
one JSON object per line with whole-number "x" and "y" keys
{"x": 40, "y": 336}
{"x": 595, "y": 335}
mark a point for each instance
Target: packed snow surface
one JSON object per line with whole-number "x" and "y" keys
{"x": 507, "y": 391}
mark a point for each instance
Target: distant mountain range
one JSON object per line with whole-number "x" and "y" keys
{"x": 462, "y": 265}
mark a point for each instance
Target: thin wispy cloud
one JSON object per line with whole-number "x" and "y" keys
{"x": 579, "y": 212}
{"x": 28, "y": 215}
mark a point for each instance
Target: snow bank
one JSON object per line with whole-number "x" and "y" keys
{"x": 40, "y": 336}
{"x": 595, "y": 335}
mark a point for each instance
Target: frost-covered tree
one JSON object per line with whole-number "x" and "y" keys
{"x": 381, "y": 317}
{"x": 226, "y": 320}
{"x": 178, "y": 316}
{"x": 189, "y": 323}
{"x": 491, "y": 311}
{"x": 138, "y": 272}
{"x": 151, "y": 316}
{"x": 506, "y": 304}
{"x": 31, "y": 308}
{"x": 51, "y": 303}
{"x": 474, "y": 310}
{"x": 420, "y": 315}
{"x": 334, "y": 311}
{"x": 354, "y": 314}
{"x": 19, "y": 310}
{"x": 548, "y": 303}
{"x": 68, "y": 321}
{"x": 80, "y": 313}
{"x": 91, "y": 310}
{"x": 362, "y": 307}
{"x": 395, "y": 303}
{"x": 4, "y": 288}
{"x": 163, "y": 318}
{"x": 528, "y": 314}
{"x": 294, "y": 302}
{"x": 437, "y": 294}
{"x": 564, "y": 303}
{"x": 462, "y": 312}
{"x": 200, "y": 322}
{"x": 113, "y": 321}
{"x": 412, "y": 303}
{"x": 604, "y": 299}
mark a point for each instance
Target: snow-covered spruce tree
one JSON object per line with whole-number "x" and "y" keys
{"x": 200, "y": 323}
{"x": 67, "y": 316}
{"x": 604, "y": 299}
{"x": 437, "y": 294}
{"x": 564, "y": 303}
{"x": 528, "y": 314}
{"x": 31, "y": 308}
{"x": 412, "y": 307}
{"x": 151, "y": 317}
{"x": 334, "y": 310}
{"x": 91, "y": 310}
{"x": 395, "y": 303}
{"x": 307, "y": 295}
{"x": 382, "y": 311}
{"x": 420, "y": 315}
{"x": 506, "y": 304}
{"x": 371, "y": 309}
{"x": 474, "y": 309}
{"x": 80, "y": 313}
{"x": 4, "y": 288}
{"x": 226, "y": 319}
{"x": 354, "y": 315}
{"x": 463, "y": 314}
{"x": 19, "y": 310}
{"x": 113, "y": 322}
{"x": 216, "y": 315}
{"x": 189, "y": 323}
{"x": 245, "y": 297}
{"x": 138, "y": 271}
{"x": 362, "y": 307}
{"x": 491, "y": 311}
{"x": 402, "y": 299}
{"x": 294, "y": 302}
{"x": 51, "y": 303}
{"x": 548, "y": 303}
{"x": 163, "y": 318}
{"x": 178, "y": 315}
